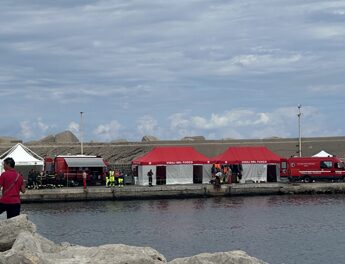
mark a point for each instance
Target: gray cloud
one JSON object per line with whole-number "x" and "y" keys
{"x": 109, "y": 131}
{"x": 122, "y": 60}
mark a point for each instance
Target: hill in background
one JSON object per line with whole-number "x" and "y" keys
{"x": 64, "y": 137}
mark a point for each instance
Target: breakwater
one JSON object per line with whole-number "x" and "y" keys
{"x": 20, "y": 243}
{"x": 132, "y": 192}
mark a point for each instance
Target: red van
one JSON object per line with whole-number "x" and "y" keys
{"x": 308, "y": 169}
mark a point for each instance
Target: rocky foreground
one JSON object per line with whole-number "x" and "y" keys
{"x": 20, "y": 243}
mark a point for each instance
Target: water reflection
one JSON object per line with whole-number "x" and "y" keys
{"x": 199, "y": 204}
{"x": 159, "y": 205}
{"x": 269, "y": 227}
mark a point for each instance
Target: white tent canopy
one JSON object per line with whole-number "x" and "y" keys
{"x": 172, "y": 165}
{"x": 323, "y": 153}
{"x": 175, "y": 174}
{"x": 22, "y": 156}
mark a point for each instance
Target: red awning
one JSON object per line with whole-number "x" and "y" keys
{"x": 247, "y": 155}
{"x": 171, "y": 156}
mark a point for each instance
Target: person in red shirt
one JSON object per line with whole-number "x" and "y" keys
{"x": 12, "y": 184}
{"x": 84, "y": 179}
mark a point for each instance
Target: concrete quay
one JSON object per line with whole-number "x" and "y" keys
{"x": 131, "y": 192}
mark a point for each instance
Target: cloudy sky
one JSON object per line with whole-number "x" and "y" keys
{"x": 217, "y": 68}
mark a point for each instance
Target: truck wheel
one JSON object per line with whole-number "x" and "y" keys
{"x": 307, "y": 179}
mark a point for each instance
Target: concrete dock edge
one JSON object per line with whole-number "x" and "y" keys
{"x": 179, "y": 191}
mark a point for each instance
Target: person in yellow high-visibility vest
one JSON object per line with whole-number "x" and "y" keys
{"x": 107, "y": 179}
{"x": 111, "y": 178}
{"x": 120, "y": 179}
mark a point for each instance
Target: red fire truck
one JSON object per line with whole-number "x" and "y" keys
{"x": 308, "y": 169}
{"x": 68, "y": 169}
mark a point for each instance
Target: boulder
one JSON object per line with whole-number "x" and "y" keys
{"x": 10, "y": 229}
{"x": 20, "y": 243}
{"x": 32, "y": 248}
{"x": 236, "y": 256}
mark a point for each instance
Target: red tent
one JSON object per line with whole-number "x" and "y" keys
{"x": 247, "y": 155}
{"x": 171, "y": 156}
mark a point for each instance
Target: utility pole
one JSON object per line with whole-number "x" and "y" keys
{"x": 299, "y": 130}
{"x": 81, "y": 134}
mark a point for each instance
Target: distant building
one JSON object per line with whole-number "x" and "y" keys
{"x": 9, "y": 140}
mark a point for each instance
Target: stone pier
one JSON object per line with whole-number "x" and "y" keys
{"x": 131, "y": 192}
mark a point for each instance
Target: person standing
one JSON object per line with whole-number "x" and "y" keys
{"x": 42, "y": 179}
{"x": 84, "y": 179}
{"x": 112, "y": 178}
{"x": 12, "y": 184}
{"x": 150, "y": 174}
{"x": 229, "y": 176}
{"x": 217, "y": 181}
{"x": 34, "y": 179}
{"x": 30, "y": 178}
{"x": 120, "y": 179}
{"x": 107, "y": 179}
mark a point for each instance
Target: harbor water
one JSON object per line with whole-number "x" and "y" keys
{"x": 277, "y": 229}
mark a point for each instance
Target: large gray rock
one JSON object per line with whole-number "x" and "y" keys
{"x": 231, "y": 257}
{"x": 10, "y": 229}
{"x": 21, "y": 244}
{"x": 33, "y": 248}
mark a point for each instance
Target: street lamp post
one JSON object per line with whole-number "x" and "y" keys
{"x": 81, "y": 134}
{"x": 299, "y": 130}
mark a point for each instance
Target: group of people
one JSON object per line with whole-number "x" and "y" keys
{"x": 114, "y": 178}
{"x": 36, "y": 179}
{"x": 225, "y": 173}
